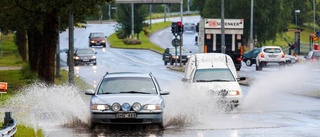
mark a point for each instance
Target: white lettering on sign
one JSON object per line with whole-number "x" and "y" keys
{"x": 228, "y": 23}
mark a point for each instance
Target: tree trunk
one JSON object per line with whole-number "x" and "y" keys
{"x": 34, "y": 45}
{"x": 48, "y": 50}
{"x": 21, "y": 42}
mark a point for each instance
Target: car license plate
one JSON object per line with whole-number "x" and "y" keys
{"x": 126, "y": 115}
{"x": 85, "y": 60}
{"x": 272, "y": 56}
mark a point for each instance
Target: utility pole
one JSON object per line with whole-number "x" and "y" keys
{"x": 251, "y": 26}
{"x": 150, "y": 7}
{"x": 181, "y": 34}
{"x": 223, "y": 45}
{"x": 58, "y": 51}
{"x": 132, "y": 20}
{"x": 71, "y": 49}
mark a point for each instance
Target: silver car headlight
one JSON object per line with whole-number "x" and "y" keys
{"x": 116, "y": 107}
{"x": 76, "y": 57}
{"x": 100, "y": 107}
{"x": 103, "y": 41}
{"x": 94, "y": 57}
{"x": 136, "y": 106}
{"x": 92, "y": 41}
{"x": 188, "y": 56}
{"x": 152, "y": 107}
{"x": 234, "y": 93}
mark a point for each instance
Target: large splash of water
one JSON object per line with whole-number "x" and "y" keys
{"x": 42, "y": 106}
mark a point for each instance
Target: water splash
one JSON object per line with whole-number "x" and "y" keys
{"x": 42, "y": 106}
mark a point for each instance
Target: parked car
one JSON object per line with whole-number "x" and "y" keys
{"x": 97, "y": 39}
{"x": 270, "y": 54}
{"x": 189, "y": 26}
{"x": 85, "y": 56}
{"x": 171, "y": 55}
{"x": 313, "y": 56}
{"x": 127, "y": 98}
{"x": 250, "y": 57}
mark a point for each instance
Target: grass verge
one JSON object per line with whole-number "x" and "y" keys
{"x": 114, "y": 42}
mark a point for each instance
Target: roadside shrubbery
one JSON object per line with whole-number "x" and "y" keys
{"x": 129, "y": 41}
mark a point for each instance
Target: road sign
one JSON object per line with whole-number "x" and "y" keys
{"x": 3, "y": 87}
{"x": 175, "y": 42}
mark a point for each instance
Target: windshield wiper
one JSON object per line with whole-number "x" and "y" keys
{"x": 139, "y": 92}
{"x": 107, "y": 93}
{"x": 221, "y": 80}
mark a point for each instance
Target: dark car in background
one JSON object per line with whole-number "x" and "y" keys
{"x": 250, "y": 57}
{"x": 85, "y": 56}
{"x": 171, "y": 55}
{"x": 97, "y": 39}
{"x": 189, "y": 27}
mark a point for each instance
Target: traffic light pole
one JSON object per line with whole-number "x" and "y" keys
{"x": 181, "y": 33}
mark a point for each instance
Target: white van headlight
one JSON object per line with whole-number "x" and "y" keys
{"x": 234, "y": 93}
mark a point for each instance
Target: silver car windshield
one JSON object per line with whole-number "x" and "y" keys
{"x": 132, "y": 85}
{"x": 213, "y": 75}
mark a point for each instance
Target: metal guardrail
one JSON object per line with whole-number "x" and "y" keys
{"x": 9, "y": 127}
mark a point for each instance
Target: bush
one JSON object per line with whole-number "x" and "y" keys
{"x": 121, "y": 34}
{"x": 128, "y": 41}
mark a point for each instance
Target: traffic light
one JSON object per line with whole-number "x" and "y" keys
{"x": 174, "y": 28}
{"x": 180, "y": 27}
{"x": 314, "y": 37}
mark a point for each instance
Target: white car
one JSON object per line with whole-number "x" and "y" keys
{"x": 270, "y": 54}
{"x": 216, "y": 74}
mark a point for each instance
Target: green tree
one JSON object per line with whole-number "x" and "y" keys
{"x": 40, "y": 20}
{"x": 124, "y": 17}
{"x": 270, "y": 17}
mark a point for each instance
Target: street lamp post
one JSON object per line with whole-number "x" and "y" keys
{"x": 296, "y": 12}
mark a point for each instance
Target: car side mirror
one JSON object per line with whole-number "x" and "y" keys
{"x": 241, "y": 78}
{"x": 89, "y": 92}
{"x": 184, "y": 79}
{"x": 106, "y": 36}
{"x": 95, "y": 52}
{"x": 190, "y": 51}
{"x": 164, "y": 92}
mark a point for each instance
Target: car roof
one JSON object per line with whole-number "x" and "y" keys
{"x": 126, "y": 74}
{"x": 270, "y": 47}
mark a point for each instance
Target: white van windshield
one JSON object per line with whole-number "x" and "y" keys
{"x": 213, "y": 75}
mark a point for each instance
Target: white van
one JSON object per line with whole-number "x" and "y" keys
{"x": 216, "y": 73}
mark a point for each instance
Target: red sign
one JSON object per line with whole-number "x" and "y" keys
{"x": 3, "y": 87}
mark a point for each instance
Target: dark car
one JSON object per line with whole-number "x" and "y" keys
{"x": 189, "y": 27}
{"x": 127, "y": 98}
{"x": 97, "y": 39}
{"x": 171, "y": 55}
{"x": 313, "y": 56}
{"x": 250, "y": 57}
{"x": 85, "y": 56}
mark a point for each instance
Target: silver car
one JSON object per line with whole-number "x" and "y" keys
{"x": 127, "y": 98}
